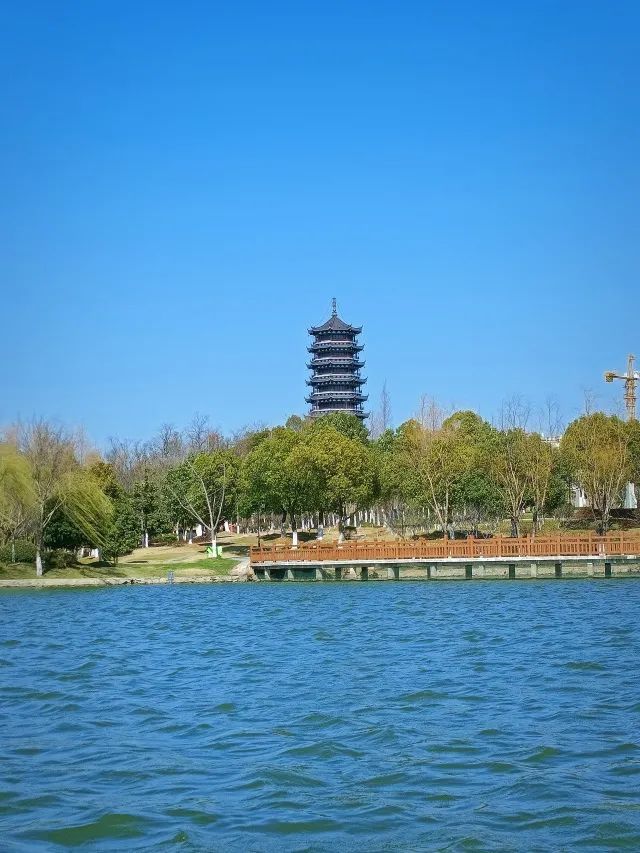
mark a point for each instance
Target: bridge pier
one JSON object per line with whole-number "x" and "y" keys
{"x": 319, "y": 575}
{"x": 338, "y": 573}
{"x": 393, "y": 573}
{"x": 534, "y": 570}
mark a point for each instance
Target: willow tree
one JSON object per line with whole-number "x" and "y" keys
{"x": 17, "y": 495}
{"x": 59, "y": 482}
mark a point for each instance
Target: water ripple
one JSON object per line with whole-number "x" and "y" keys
{"x": 301, "y": 717}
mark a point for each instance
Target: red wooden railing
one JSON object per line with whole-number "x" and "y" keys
{"x": 589, "y": 545}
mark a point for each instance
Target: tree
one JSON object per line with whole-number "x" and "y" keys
{"x": 476, "y": 498}
{"x": 434, "y": 461}
{"x": 61, "y": 532}
{"x": 595, "y": 448}
{"x": 381, "y": 419}
{"x": 17, "y": 493}
{"x": 122, "y": 534}
{"x": 149, "y": 506}
{"x": 201, "y": 486}
{"x": 345, "y": 423}
{"x": 294, "y": 422}
{"x": 633, "y": 430}
{"x": 509, "y": 465}
{"x": 59, "y": 482}
{"x": 542, "y": 458}
{"x": 344, "y": 472}
{"x": 282, "y": 477}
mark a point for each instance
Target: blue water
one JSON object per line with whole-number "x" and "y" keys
{"x": 360, "y": 717}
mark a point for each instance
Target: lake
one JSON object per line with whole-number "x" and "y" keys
{"x": 360, "y": 717}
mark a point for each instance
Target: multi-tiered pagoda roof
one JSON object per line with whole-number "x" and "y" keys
{"x": 336, "y": 381}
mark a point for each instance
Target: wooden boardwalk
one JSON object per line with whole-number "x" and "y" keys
{"x": 435, "y": 550}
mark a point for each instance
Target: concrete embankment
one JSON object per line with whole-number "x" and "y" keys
{"x": 51, "y": 583}
{"x": 517, "y": 568}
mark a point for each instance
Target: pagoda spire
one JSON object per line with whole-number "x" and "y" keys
{"x": 334, "y": 307}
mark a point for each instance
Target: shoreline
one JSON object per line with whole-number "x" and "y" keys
{"x": 71, "y": 583}
{"x": 44, "y": 583}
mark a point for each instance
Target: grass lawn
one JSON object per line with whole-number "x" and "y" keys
{"x": 183, "y": 560}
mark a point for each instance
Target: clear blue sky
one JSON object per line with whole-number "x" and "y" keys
{"x": 184, "y": 186}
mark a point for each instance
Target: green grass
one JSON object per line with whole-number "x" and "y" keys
{"x": 220, "y": 567}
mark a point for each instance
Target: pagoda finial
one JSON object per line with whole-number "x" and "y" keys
{"x": 334, "y": 309}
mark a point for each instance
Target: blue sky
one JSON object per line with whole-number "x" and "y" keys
{"x": 184, "y": 187}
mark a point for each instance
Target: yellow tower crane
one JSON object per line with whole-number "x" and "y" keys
{"x": 631, "y": 378}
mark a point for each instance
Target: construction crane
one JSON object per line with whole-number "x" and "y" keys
{"x": 631, "y": 378}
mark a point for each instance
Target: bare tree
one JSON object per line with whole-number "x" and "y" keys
{"x": 590, "y": 398}
{"x": 431, "y": 415}
{"x": 197, "y": 433}
{"x": 382, "y": 419}
{"x": 168, "y": 446}
{"x": 550, "y": 420}
{"x": 199, "y": 487}
{"x": 514, "y": 413}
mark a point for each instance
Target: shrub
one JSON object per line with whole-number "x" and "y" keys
{"x": 165, "y": 539}
{"x": 59, "y": 559}
{"x": 25, "y": 552}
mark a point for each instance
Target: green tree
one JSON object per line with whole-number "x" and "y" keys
{"x": 633, "y": 430}
{"x": 282, "y": 477}
{"x": 343, "y": 472}
{"x": 60, "y": 482}
{"x": 17, "y": 493}
{"x": 123, "y": 531}
{"x": 204, "y": 486}
{"x": 596, "y": 450}
{"x": 434, "y": 463}
{"x": 351, "y": 426}
{"x": 543, "y": 466}
{"x": 510, "y": 467}
{"x": 475, "y": 495}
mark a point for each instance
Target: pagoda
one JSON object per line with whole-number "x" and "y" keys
{"x": 335, "y": 363}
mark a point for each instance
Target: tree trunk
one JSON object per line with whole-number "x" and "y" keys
{"x": 38, "y": 561}
{"x": 341, "y": 521}
{"x": 146, "y": 538}
{"x": 515, "y": 526}
{"x": 13, "y": 550}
